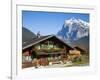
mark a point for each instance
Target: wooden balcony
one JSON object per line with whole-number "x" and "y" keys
{"x": 50, "y": 51}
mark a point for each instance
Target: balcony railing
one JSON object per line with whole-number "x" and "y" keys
{"x": 50, "y": 50}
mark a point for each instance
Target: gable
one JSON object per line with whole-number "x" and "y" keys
{"x": 44, "y": 38}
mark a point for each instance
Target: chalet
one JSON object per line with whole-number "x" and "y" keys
{"x": 80, "y": 49}
{"x": 43, "y": 49}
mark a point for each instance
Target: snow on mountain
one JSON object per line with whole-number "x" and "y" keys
{"x": 74, "y": 29}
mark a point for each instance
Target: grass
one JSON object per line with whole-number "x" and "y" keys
{"x": 84, "y": 61}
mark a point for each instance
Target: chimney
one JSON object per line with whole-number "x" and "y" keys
{"x": 38, "y": 34}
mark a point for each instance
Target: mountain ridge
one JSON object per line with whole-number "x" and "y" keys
{"x": 73, "y": 29}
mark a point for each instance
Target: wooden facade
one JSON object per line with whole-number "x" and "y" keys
{"x": 44, "y": 51}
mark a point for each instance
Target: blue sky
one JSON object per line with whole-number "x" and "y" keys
{"x": 48, "y": 22}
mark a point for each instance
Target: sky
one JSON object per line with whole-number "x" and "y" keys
{"x": 48, "y": 22}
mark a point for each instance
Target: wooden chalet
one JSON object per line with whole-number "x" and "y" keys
{"x": 80, "y": 49}
{"x": 42, "y": 50}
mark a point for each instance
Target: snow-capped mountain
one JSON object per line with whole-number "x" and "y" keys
{"x": 74, "y": 29}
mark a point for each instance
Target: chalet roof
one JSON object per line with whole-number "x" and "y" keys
{"x": 80, "y": 49}
{"x": 34, "y": 41}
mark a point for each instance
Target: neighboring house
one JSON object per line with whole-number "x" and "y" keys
{"x": 43, "y": 48}
{"x": 75, "y": 55}
{"x": 80, "y": 49}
